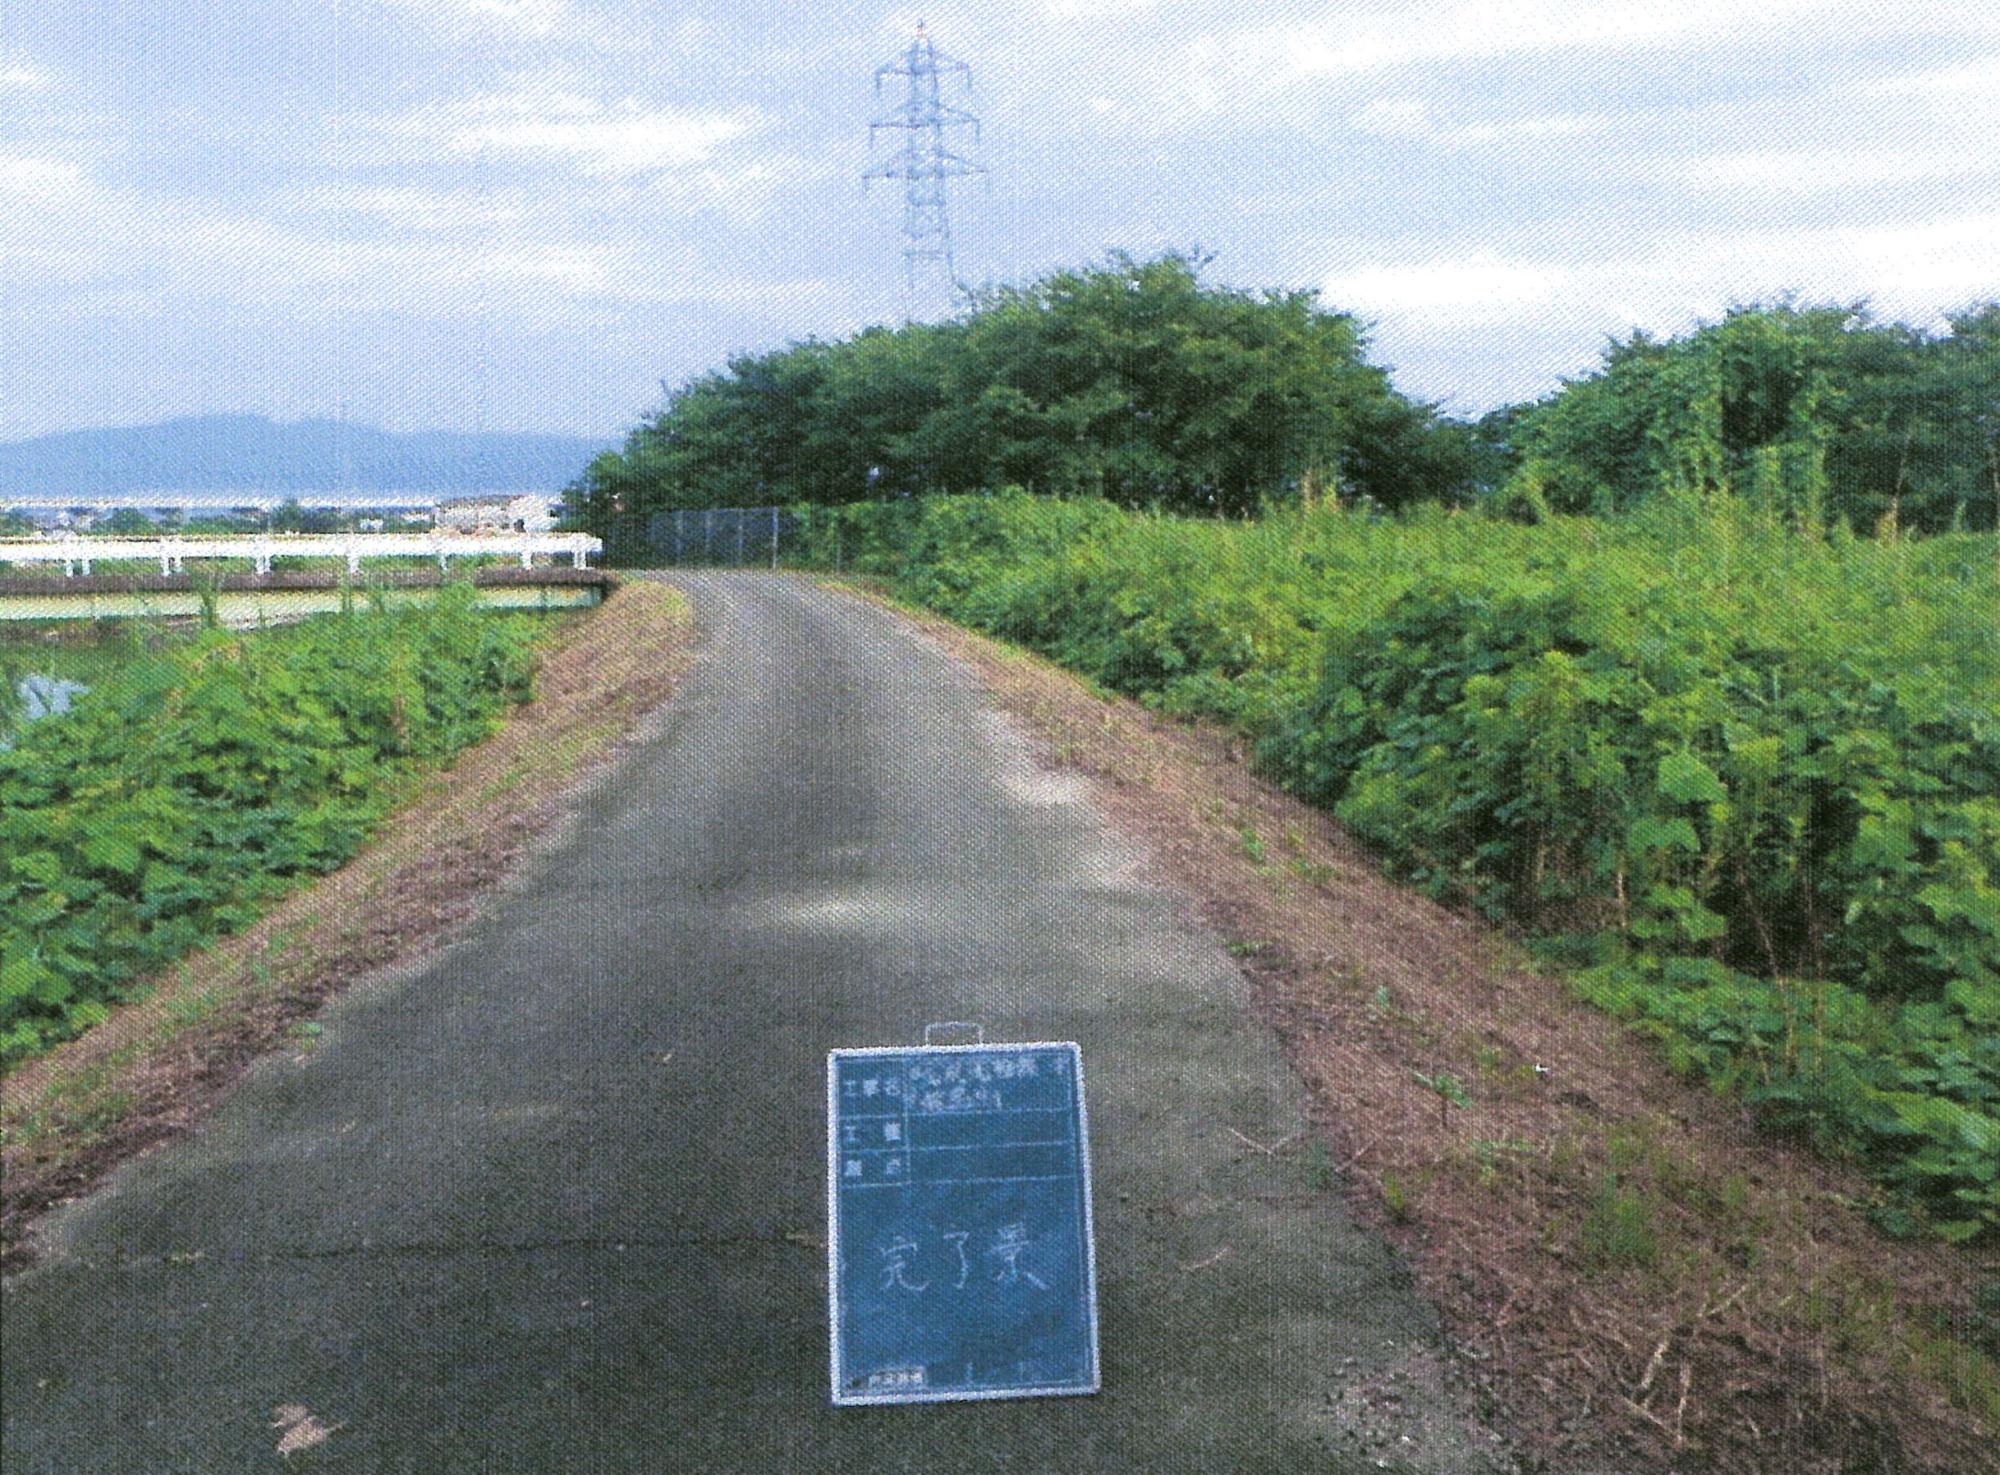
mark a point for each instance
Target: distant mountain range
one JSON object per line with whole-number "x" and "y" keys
{"x": 250, "y": 454}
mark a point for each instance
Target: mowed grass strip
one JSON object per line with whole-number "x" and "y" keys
{"x": 161, "y": 1061}
{"x": 1636, "y": 1276}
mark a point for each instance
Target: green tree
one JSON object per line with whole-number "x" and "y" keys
{"x": 289, "y": 517}
{"x": 129, "y": 522}
{"x": 1812, "y": 411}
{"x": 1135, "y": 380}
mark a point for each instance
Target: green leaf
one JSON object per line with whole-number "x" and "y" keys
{"x": 115, "y": 852}
{"x": 1685, "y": 779}
{"x": 1884, "y": 842}
{"x": 1652, "y": 833}
{"x": 39, "y": 867}
{"x": 1699, "y": 924}
{"x": 20, "y": 977}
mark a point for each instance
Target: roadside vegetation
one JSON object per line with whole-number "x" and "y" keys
{"x": 1745, "y": 783}
{"x": 1633, "y": 1277}
{"x": 1822, "y": 413}
{"x": 176, "y": 801}
{"x": 1686, "y": 677}
{"x": 448, "y": 827}
{"x": 1136, "y": 383}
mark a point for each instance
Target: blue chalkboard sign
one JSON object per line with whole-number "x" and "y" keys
{"x": 960, "y": 1256}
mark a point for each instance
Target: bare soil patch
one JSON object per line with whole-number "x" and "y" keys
{"x": 1632, "y": 1274}
{"x": 160, "y": 1063}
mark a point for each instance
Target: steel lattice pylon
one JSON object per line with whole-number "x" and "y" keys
{"x": 924, "y": 163}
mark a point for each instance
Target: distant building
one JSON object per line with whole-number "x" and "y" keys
{"x": 527, "y": 512}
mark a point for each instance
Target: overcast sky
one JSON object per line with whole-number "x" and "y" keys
{"x": 526, "y": 214}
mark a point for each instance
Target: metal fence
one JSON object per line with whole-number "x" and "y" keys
{"x": 853, "y": 537}
{"x": 715, "y": 537}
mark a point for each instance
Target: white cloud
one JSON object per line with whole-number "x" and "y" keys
{"x": 574, "y": 163}
{"x": 536, "y": 17}
{"x": 532, "y": 258}
{"x": 39, "y": 180}
{"x": 1448, "y": 292}
{"x": 531, "y": 19}
{"x": 1073, "y": 9}
{"x": 1397, "y": 117}
{"x": 1981, "y": 75}
{"x": 1442, "y": 30}
{"x": 1412, "y": 118}
{"x": 1832, "y": 171}
{"x": 412, "y": 208}
{"x": 1914, "y": 271}
{"x": 553, "y": 125}
{"x": 1345, "y": 51}
{"x": 1925, "y": 265}
{"x": 1539, "y": 125}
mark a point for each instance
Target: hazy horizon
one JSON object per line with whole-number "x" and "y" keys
{"x": 226, "y": 459}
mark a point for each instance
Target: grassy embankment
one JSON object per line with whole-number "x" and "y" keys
{"x": 1748, "y": 785}
{"x": 167, "y": 850}
{"x": 1745, "y": 787}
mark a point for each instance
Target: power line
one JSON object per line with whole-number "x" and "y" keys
{"x": 924, "y": 162}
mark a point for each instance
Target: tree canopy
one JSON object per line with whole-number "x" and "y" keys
{"x": 1141, "y": 383}
{"x": 1819, "y": 411}
{"x": 1135, "y": 381}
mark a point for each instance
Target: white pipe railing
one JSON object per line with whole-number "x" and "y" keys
{"x": 171, "y": 553}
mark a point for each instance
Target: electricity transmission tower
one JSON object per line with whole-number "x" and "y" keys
{"x": 924, "y": 163}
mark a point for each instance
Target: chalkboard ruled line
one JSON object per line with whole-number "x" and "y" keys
{"x": 927, "y": 1182}
{"x": 901, "y": 1149}
{"x": 984, "y": 1146}
{"x": 927, "y": 1114}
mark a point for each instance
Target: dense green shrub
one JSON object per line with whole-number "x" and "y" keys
{"x": 1811, "y": 412}
{"x": 1787, "y": 759}
{"x": 1750, "y": 779}
{"x": 176, "y": 801}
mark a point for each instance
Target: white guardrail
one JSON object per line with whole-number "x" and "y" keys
{"x": 75, "y": 553}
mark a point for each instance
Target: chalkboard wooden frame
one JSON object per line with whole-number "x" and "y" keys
{"x": 923, "y": 1392}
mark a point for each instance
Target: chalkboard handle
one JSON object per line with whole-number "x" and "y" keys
{"x": 971, "y": 1026}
